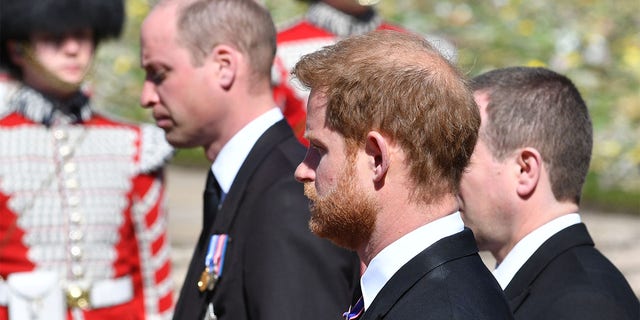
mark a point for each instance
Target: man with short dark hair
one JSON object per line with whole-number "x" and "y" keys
{"x": 521, "y": 197}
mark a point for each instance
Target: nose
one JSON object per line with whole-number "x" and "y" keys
{"x": 305, "y": 172}
{"x": 72, "y": 44}
{"x": 148, "y": 96}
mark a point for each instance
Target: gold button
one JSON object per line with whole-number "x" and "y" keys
{"x": 77, "y": 297}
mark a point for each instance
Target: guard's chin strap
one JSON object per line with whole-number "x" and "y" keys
{"x": 54, "y": 81}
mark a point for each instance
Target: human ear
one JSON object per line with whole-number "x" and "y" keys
{"x": 377, "y": 147}
{"x": 529, "y": 161}
{"x": 226, "y": 62}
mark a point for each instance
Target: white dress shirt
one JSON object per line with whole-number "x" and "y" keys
{"x": 524, "y": 249}
{"x": 386, "y": 263}
{"x": 232, "y": 155}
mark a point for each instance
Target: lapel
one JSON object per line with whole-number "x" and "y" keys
{"x": 519, "y": 288}
{"x": 444, "y": 250}
{"x": 277, "y": 133}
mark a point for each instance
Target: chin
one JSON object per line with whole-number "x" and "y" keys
{"x": 73, "y": 79}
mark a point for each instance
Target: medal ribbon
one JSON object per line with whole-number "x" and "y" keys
{"x": 215, "y": 253}
{"x": 356, "y": 311}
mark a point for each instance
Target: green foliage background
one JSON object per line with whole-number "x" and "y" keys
{"x": 595, "y": 43}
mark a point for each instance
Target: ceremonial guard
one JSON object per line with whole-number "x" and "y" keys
{"x": 82, "y": 214}
{"x": 325, "y": 23}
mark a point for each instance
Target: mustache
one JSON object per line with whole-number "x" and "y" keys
{"x": 311, "y": 193}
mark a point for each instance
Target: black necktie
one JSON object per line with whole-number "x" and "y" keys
{"x": 211, "y": 200}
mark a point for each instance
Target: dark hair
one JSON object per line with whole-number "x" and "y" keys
{"x": 19, "y": 19}
{"x": 539, "y": 108}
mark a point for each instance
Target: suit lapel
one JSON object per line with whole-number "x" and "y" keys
{"x": 518, "y": 289}
{"x": 267, "y": 142}
{"x": 447, "y": 249}
{"x": 192, "y": 302}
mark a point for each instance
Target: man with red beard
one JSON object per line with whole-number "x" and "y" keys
{"x": 391, "y": 126}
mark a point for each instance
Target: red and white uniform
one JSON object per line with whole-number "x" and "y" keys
{"x": 322, "y": 25}
{"x": 83, "y": 195}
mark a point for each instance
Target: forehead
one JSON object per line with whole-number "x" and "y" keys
{"x": 158, "y": 30}
{"x": 316, "y": 126}
{"x": 482, "y": 100}
{"x": 317, "y": 130}
{"x": 316, "y": 112}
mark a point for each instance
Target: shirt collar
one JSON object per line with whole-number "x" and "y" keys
{"x": 46, "y": 110}
{"x": 235, "y": 151}
{"x": 524, "y": 249}
{"x": 386, "y": 263}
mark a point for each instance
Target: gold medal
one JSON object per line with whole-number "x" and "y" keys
{"x": 205, "y": 279}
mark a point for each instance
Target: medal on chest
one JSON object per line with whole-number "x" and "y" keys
{"x": 213, "y": 262}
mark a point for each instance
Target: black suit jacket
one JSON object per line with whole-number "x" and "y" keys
{"x": 448, "y": 280}
{"x": 275, "y": 268}
{"x": 567, "y": 278}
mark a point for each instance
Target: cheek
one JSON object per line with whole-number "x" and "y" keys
{"x": 325, "y": 177}
{"x": 88, "y": 57}
{"x": 469, "y": 184}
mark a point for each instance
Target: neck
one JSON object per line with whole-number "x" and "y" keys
{"x": 529, "y": 220}
{"x": 399, "y": 218}
{"x": 242, "y": 110}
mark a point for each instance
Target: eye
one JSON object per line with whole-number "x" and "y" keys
{"x": 317, "y": 148}
{"x": 156, "y": 76}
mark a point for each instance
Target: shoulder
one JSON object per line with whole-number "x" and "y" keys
{"x": 152, "y": 148}
{"x": 155, "y": 151}
{"x": 283, "y": 151}
{"x": 7, "y": 88}
{"x": 586, "y": 303}
{"x": 272, "y": 185}
{"x": 578, "y": 265}
{"x": 439, "y": 293}
{"x": 582, "y": 276}
{"x": 276, "y": 171}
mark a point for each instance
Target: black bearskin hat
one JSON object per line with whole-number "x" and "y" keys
{"x": 19, "y": 19}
